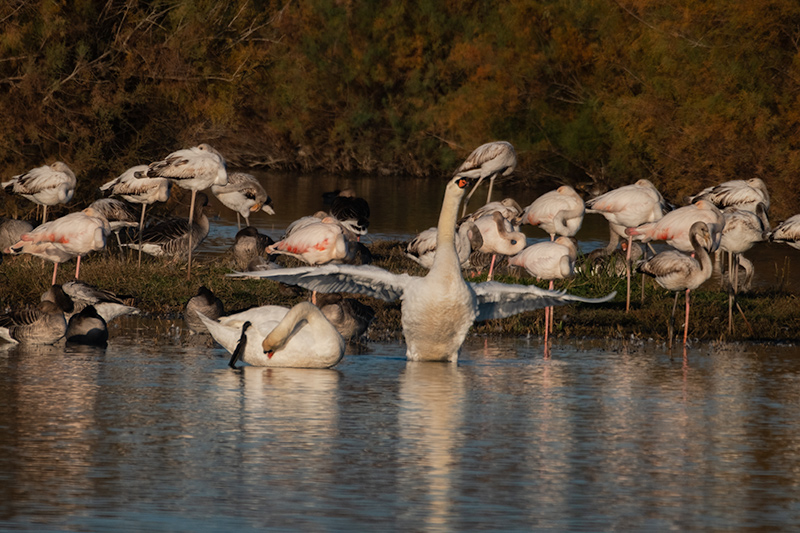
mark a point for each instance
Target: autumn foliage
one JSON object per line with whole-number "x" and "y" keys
{"x": 686, "y": 93}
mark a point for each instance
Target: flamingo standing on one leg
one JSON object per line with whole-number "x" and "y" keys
{"x": 245, "y": 195}
{"x": 676, "y": 271}
{"x": 548, "y": 260}
{"x": 47, "y": 185}
{"x": 498, "y": 237}
{"x": 196, "y": 169}
{"x": 674, "y": 227}
{"x": 742, "y": 230}
{"x": 134, "y": 186}
{"x": 487, "y": 161}
{"x": 744, "y": 194}
{"x": 628, "y": 207}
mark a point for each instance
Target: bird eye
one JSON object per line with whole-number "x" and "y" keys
{"x": 513, "y": 242}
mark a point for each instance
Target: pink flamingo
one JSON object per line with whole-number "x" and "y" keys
{"x": 47, "y": 185}
{"x": 676, "y": 271}
{"x": 487, "y": 161}
{"x": 674, "y": 227}
{"x": 628, "y": 207}
{"x": 498, "y": 237}
{"x": 73, "y": 235}
{"x": 548, "y": 260}
{"x": 196, "y": 169}
{"x": 558, "y": 212}
{"x": 315, "y": 243}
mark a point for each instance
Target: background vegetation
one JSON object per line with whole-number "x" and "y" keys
{"x": 686, "y": 92}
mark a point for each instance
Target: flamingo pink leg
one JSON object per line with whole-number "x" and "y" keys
{"x": 78, "y": 267}
{"x": 686, "y": 324}
{"x": 491, "y": 268}
{"x": 55, "y": 271}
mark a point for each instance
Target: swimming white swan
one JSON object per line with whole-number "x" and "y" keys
{"x": 439, "y": 308}
{"x": 300, "y": 337}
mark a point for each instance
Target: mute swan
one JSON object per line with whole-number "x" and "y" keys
{"x": 46, "y": 185}
{"x": 195, "y": 169}
{"x": 439, "y": 308}
{"x": 245, "y": 195}
{"x": 300, "y": 337}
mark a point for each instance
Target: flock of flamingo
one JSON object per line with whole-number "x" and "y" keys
{"x": 437, "y": 309}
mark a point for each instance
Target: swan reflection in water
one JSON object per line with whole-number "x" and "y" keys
{"x": 430, "y": 421}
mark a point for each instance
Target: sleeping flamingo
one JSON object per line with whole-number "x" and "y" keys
{"x": 558, "y": 212}
{"x": 134, "y": 186}
{"x": 245, "y": 195}
{"x": 628, "y": 207}
{"x": 744, "y": 194}
{"x": 47, "y": 185}
{"x": 196, "y": 169}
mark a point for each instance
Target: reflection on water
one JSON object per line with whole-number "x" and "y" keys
{"x": 596, "y": 438}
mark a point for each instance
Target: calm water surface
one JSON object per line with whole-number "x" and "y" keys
{"x": 160, "y": 434}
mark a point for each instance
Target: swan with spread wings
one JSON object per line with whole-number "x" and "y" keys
{"x": 439, "y": 308}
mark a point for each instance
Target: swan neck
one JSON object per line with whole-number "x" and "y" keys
{"x": 446, "y": 229}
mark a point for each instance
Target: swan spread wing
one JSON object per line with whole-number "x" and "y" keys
{"x": 501, "y": 300}
{"x": 353, "y": 279}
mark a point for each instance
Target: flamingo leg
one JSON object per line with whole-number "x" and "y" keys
{"x": 55, "y": 271}
{"x": 141, "y": 229}
{"x": 44, "y": 215}
{"x": 491, "y": 184}
{"x": 191, "y": 220}
{"x": 239, "y": 222}
{"x": 466, "y": 200}
{"x": 671, "y": 324}
{"x": 731, "y": 293}
{"x": 491, "y": 267}
{"x": 686, "y": 323}
{"x": 628, "y": 274}
{"x": 78, "y": 267}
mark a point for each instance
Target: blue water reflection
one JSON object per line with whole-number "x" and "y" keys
{"x": 163, "y": 435}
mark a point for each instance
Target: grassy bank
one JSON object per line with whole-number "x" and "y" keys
{"x": 160, "y": 289}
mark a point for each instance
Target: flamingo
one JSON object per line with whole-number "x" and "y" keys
{"x": 741, "y": 231}
{"x": 438, "y": 309}
{"x": 628, "y": 207}
{"x": 316, "y": 243}
{"x": 788, "y": 232}
{"x": 548, "y": 260}
{"x": 273, "y": 336}
{"x": 744, "y": 194}
{"x": 43, "y": 324}
{"x": 558, "y": 212}
{"x": 487, "y": 161}
{"x": 676, "y": 271}
{"x": 176, "y": 237}
{"x": 46, "y": 185}
{"x": 352, "y": 212}
{"x": 134, "y": 186}
{"x": 73, "y": 235}
{"x": 245, "y": 195}
{"x": 422, "y": 249}
{"x": 206, "y": 303}
{"x": 674, "y": 228}
{"x": 498, "y": 237}
{"x": 196, "y": 169}
{"x": 508, "y": 207}
{"x": 87, "y": 327}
